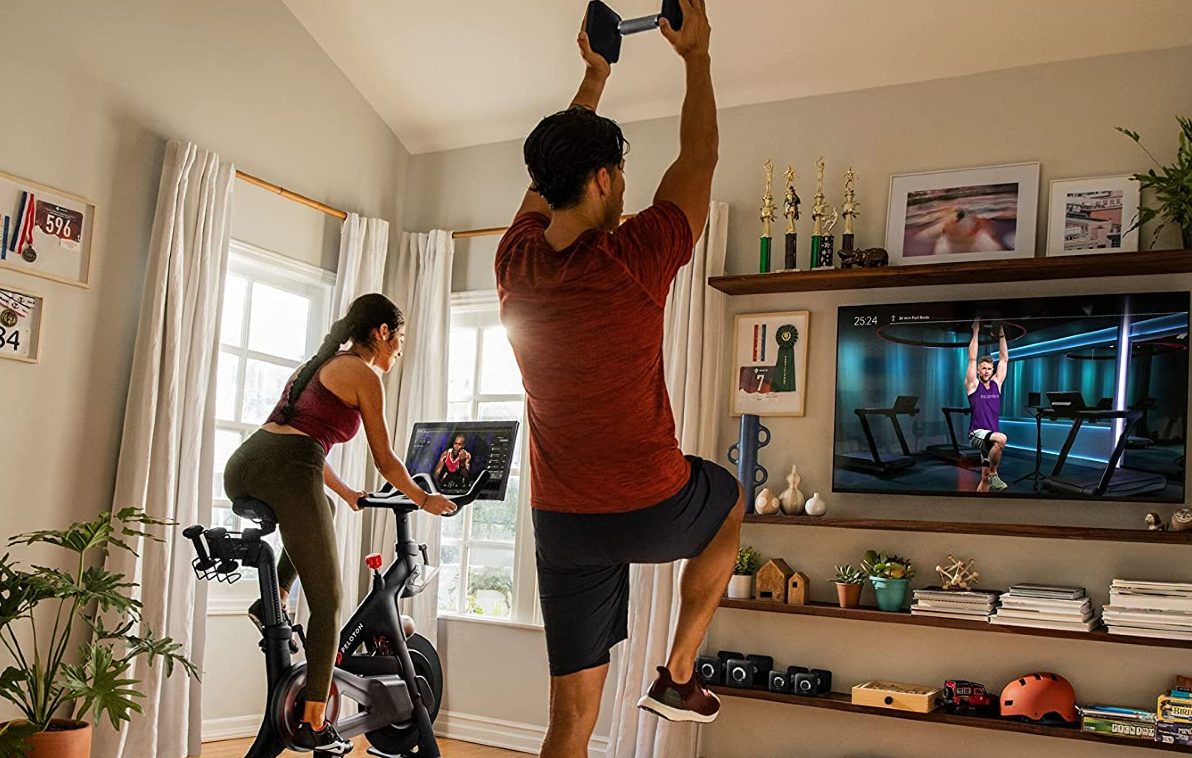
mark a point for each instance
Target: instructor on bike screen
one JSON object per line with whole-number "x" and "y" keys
{"x": 582, "y": 298}
{"x": 284, "y": 465}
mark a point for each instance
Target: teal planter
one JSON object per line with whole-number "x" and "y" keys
{"x": 891, "y": 593}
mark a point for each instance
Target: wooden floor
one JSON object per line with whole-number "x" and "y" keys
{"x": 450, "y": 748}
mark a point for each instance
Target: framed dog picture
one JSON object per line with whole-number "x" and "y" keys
{"x": 1092, "y": 216}
{"x": 977, "y": 214}
{"x": 770, "y": 363}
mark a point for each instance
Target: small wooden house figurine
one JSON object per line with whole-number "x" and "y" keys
{"x": 796, "y": 589}
{"x": 770, "y": 583}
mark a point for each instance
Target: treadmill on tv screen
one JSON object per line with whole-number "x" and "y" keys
{"x": 1076, "y": 398}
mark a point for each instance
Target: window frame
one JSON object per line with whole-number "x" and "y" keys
{"x": 256, "y": 264}
{"x": 481, "y": 308}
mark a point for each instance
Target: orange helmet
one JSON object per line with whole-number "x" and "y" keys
{"x": 1039, "y": 696}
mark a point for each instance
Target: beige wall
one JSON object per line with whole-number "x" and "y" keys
{"x": 1061, "y": 115}
{"x": 91, "y": 93}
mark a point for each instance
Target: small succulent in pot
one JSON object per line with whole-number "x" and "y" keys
{"x": 847, "y": 574}
{"x": 887, "y": 566}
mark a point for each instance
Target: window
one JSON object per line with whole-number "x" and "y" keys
{"x": 275, "y": 313}
{"x": 487, "y": 553}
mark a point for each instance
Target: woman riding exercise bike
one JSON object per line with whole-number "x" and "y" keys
{"x": 284, "y": 464}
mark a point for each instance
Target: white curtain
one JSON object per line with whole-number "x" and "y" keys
{"x": 691, "y": 347}
{"x": 168, "y": 429}
{"x": 422, "y": 287}
{"x": 363, "y": 247}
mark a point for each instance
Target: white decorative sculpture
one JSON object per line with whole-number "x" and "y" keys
{"x": 791, "y": 499}
{"x": 816, "y": 506}
{"x": 765, "y": 504}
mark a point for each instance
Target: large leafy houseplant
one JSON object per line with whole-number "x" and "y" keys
{"x": 48, "y": 682}
{"x": 1172, "y": 185}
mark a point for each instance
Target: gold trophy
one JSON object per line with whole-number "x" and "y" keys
{"x": 819, "y": 211}
{"x": 790, "y": 209}
{"x": 767, "y": 216}
{"x": 850, "y": 212}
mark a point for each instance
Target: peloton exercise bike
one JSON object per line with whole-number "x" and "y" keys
{"x": 397, "y": 681}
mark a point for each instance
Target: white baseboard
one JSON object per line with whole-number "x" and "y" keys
{"x": 511, "y": 735}
{"x": 230, "y": 728}
{"x": 466, "y": 727}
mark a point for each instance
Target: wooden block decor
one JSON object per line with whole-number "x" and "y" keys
{"x": 796, "y": 589}
{"x": 899, "y": 696}
{"x": 770, "y": 583}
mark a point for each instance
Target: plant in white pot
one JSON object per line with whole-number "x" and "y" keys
{"x": 740, "y": 586}
{"x": 53, "y": 689}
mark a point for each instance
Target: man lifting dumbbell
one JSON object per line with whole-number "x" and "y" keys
{"x": 582, "y": 297}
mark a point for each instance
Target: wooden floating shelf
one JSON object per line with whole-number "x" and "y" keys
{"x": 873, "y": 615}
{"x": 985, "y": 272}
{"x": 997, "y": 530}
{"x": 840, "y": 702}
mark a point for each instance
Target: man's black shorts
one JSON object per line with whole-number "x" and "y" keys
{"x": 583, "y": 562}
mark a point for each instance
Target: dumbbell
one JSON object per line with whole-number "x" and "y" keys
{"x": 711, "y": 668}
{"x": 204, "y": 561}
{"x": 605, "y": 28}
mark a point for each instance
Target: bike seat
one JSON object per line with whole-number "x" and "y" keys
{"x": 255, "y": 510}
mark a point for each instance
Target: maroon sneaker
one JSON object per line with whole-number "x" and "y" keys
{"x": 690, "y": 701}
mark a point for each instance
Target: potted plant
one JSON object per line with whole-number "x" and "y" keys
{"x": 849, "y": 583}
{"x": 55, "y": 690}
{"x": 740, "y": 586}
{"x": 1172, "y": 185}
{"x": 890, "y": 576}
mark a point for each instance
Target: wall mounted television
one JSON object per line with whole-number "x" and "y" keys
{"x": 1086, "y": 400}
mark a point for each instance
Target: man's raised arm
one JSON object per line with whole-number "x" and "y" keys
{"x": 688, "y": 182}
{"x": 596, "y": 72}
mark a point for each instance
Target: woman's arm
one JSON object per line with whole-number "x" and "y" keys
{"x": 336, "y": 485}
{"x": 371, "y": 402}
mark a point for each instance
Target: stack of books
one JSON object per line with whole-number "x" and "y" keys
{"x": 974, "y": 605}
{"x": 1150, "y": 609}
{"x": 1046, "y": 607}
{"x": 1135, "y": 723}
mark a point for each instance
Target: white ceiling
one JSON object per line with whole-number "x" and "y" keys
{"x": 453, "y": 73}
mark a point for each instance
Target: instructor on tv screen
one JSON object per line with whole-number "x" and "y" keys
{"x": 983, "y": 386}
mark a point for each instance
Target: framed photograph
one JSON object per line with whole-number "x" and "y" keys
{"x": 21, "y": 315}
{"x": 45, "y": 232}
{"x": 976, "y": 214}
{"x": 770, "y": 363}
{"x": 1092, "y": 216}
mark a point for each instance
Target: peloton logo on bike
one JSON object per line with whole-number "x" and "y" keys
{"x": 352, "y": 638}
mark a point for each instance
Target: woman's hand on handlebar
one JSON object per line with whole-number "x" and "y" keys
{"x": 438, "y": 505}
{"x": 354, "y": 500}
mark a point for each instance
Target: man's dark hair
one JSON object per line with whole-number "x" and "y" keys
{"x": 985, "y": 359}
{"x": 566, "y": 148}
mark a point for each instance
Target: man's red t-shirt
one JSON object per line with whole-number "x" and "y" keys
{"x": 585, "y": 324}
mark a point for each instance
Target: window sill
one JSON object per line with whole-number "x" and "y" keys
{"x": 506, "y": 623}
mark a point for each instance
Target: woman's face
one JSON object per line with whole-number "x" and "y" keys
{"x": 389, "y": 346}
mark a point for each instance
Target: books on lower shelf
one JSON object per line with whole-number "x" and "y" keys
{"x": 972, "y": 605}
{"x": 1149, "y": 609}
{"x": 1046, "y": 607}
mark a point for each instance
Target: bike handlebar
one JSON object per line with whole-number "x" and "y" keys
{"x": 389, "y": 497}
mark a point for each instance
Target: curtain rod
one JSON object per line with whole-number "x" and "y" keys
{"x": 300, "y": 199}
{"x": 495, "y": 230}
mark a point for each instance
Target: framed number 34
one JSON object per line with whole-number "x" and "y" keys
{"x": 21, "y": 315}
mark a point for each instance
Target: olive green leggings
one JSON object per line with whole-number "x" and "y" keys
{"x": 286, "y": 472}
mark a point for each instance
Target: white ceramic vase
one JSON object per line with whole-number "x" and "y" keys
{"x": 792, "y": 500}
{"x": 816, "y": 506}
{"x": 740, "y": 587}
{"x": 765, "y": 504}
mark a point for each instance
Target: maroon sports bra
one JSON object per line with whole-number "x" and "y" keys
{"x": 319, "y": 413}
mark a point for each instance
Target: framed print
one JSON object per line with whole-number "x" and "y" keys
{"x": 45, "y": 232}
{"x": 1092, "y": 216}
{"x": 770, "y": 363}
{"x": 20, "y": 324}
{"x": 976, "y": 214}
